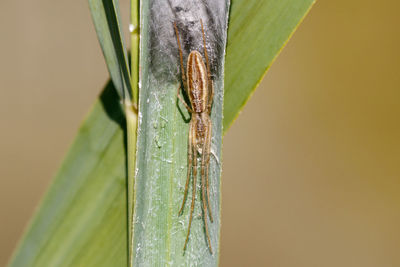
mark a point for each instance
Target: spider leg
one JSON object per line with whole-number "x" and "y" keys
{"x": 183, "y": 102}
{"x": 193, "y": 133}
{"x": 180, "y": 55}
{"x": 182, "y": 69}
{"x": 210, "y": 82}
{"x": 207, "y": 153}
{"x": 203, "y": 185}
{"x": 210, "y": 97}
{"x": 190, "y": 158}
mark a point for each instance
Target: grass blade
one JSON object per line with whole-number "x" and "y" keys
{"x": 107, "y": 21}
{"x": 159, "y": 233}
{"x": 253, "y": 45}
{"x": 82, "y": 220}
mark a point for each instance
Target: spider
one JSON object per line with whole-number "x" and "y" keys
{"x": 199, "y": 88}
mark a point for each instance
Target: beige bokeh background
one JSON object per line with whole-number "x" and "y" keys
{"x": 311, "y": 167}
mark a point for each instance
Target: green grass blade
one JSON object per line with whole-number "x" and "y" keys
{"x": 258, "y": 30}
{"x": 82, "y": 221}
{"x": 162, "y": 148}
{"x": 107, "y": 21}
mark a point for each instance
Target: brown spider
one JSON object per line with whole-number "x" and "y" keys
{"x": 200, "y": 91}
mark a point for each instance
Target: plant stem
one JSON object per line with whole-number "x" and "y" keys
{"x": 131, "y": 125}
{"x": 134, "y": 30}
{"x": 131, "y": 121}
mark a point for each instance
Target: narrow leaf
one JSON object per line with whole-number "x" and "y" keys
{"x": 258, "y": 30}
{"x": 82, "y": 221}
{"x": 107, "y": 21}
{"x": 162, "y": 148}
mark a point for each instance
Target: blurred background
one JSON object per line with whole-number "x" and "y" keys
{"x": 311, "y": 173}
